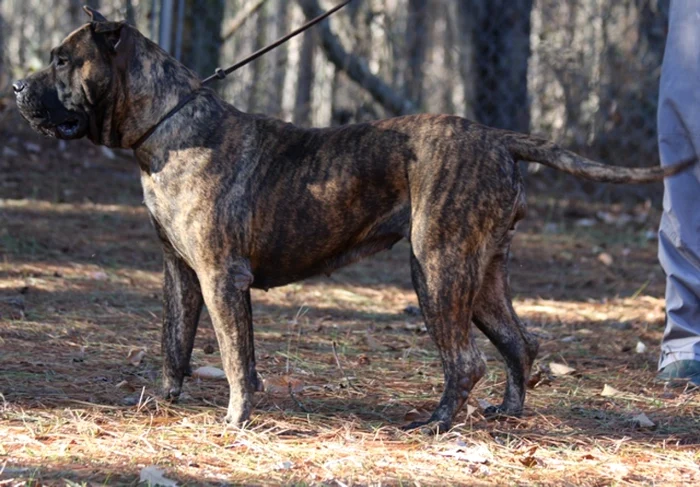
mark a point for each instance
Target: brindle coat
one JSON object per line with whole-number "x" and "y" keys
{"x": 241, "y": 200}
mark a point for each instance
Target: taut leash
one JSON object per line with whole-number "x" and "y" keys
{"x": 222, "y": 73}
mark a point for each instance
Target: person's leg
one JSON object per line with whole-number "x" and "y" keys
{"x": 679, "y": 234}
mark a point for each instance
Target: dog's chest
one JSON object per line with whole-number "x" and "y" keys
{"x": 173, "y": 206}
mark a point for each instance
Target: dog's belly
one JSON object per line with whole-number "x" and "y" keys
{"x": 269, "y": 275}
{"x": 287, "y": 261}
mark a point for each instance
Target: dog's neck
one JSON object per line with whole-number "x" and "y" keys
{"x": 147, "y": 88}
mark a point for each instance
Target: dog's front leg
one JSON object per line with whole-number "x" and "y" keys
{"x": 182, "y": 305}
{"x": 230, "y": 311}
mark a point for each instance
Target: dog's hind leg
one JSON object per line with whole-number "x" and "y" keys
{"x": 446, "y": 284}
{"x": 495, "y": 317}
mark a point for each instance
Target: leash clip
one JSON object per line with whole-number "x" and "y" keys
{"x": 220, "y": 73}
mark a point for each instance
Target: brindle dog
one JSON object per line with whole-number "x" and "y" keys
{"x": 243, "y": 201}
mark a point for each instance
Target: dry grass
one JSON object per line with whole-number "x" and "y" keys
{"x": 79, "y": 290}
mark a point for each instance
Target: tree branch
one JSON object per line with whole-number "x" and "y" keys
{"x": 241, "y": 17}
{"x": 355, "y": 67}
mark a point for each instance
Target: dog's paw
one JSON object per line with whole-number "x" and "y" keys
{"x": 170, "y": 393}
{"x": 429, "y": 428}
{"x": 239, "y": 409}
{"x": 501, "y": 412}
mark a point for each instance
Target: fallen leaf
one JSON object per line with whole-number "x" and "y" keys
{"x": 483, "y": 403}
{"x": 642, "y": 421}
{"x": 8, "y": 152}
{"x": 471, "y": 410}
{"x": 282, "y": 384}
{"x": 528, "y": 457}
{"x": 32, "y": 147}
{"x": 125, "y": 386}
{"x": 363, "y": 360}
{"x": 284, "y": 465}
{"x": 99, "y": 276}
{"x": 135, "y": 356}
{"x": 606, "y": 259}
{"x": 585, "y": 222}
{"x": 529, "y": 462}
{"x": 153, "y": 476}
{"x": 209, "y": 372}
{"x": 560, "y": 369}
{"x": 641, "y": 347}
{"x": 568, "y": 256}
{"x": 609, "y": 391}
{"x": 471, "y": 453}
{"x": 417, "y": 328}
{"x": 416, "y": 415}
{"x": 534, "y": 379}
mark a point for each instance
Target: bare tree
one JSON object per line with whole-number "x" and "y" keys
{"x": 416, "y": 47}
{"x": 495, "y": 48}
{"x": 3, "y": 74}
{"x": 302, "y": 103}
{"x": 355, "y": 67}
{"x": 206, "y": 17}
{"x": 278, "y": 58}
{"x": 257, "y": 89}
{"x": 165, "y": 34}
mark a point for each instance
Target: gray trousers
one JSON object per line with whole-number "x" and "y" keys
{"x": 679, "y": 138}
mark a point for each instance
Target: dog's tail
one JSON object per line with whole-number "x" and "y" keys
{"x": 528, "y": 148}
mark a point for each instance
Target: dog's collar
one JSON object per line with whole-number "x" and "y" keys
{"x": 172, "y": 112}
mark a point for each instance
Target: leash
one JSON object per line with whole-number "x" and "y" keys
{"x": 220, "y": 73}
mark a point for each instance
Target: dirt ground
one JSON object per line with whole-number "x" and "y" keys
{"x": 344, "y": 361}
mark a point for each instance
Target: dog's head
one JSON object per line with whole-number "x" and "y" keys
{"x": 69, "y": 99}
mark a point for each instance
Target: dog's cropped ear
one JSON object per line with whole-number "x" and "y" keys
{"x": 113, "y": 33}
{"x": 118, "y": 39}
{"x": 95, "y": 16}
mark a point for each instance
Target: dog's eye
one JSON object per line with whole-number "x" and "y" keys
{"x": 61, "y": 61}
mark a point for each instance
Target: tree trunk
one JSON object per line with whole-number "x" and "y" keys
{"x": 165, "y": 33}
{"x": 3, "y": 75}
{"x": 417, "y": 43}
{"x": 257, "y": 88}
{"x": 495, "y": 48}
{"x": 130, "y": 12}
{"x": 279, "y": 59}
{"x": 355, "y": 67}
{"x": 302, "y": 103}
{"x": 205, "y": 35}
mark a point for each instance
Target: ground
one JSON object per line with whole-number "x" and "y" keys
{"x": 345, "y": 359}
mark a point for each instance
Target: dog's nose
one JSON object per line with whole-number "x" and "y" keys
{"x": 18, "y": 86}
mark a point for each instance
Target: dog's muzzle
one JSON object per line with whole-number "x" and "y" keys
{"x": 44, "y": 113}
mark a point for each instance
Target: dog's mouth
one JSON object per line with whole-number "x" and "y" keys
{"x": 57, "y": 122}
{"x": 72, "y": 127}
{"x": 68, "y": 129}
